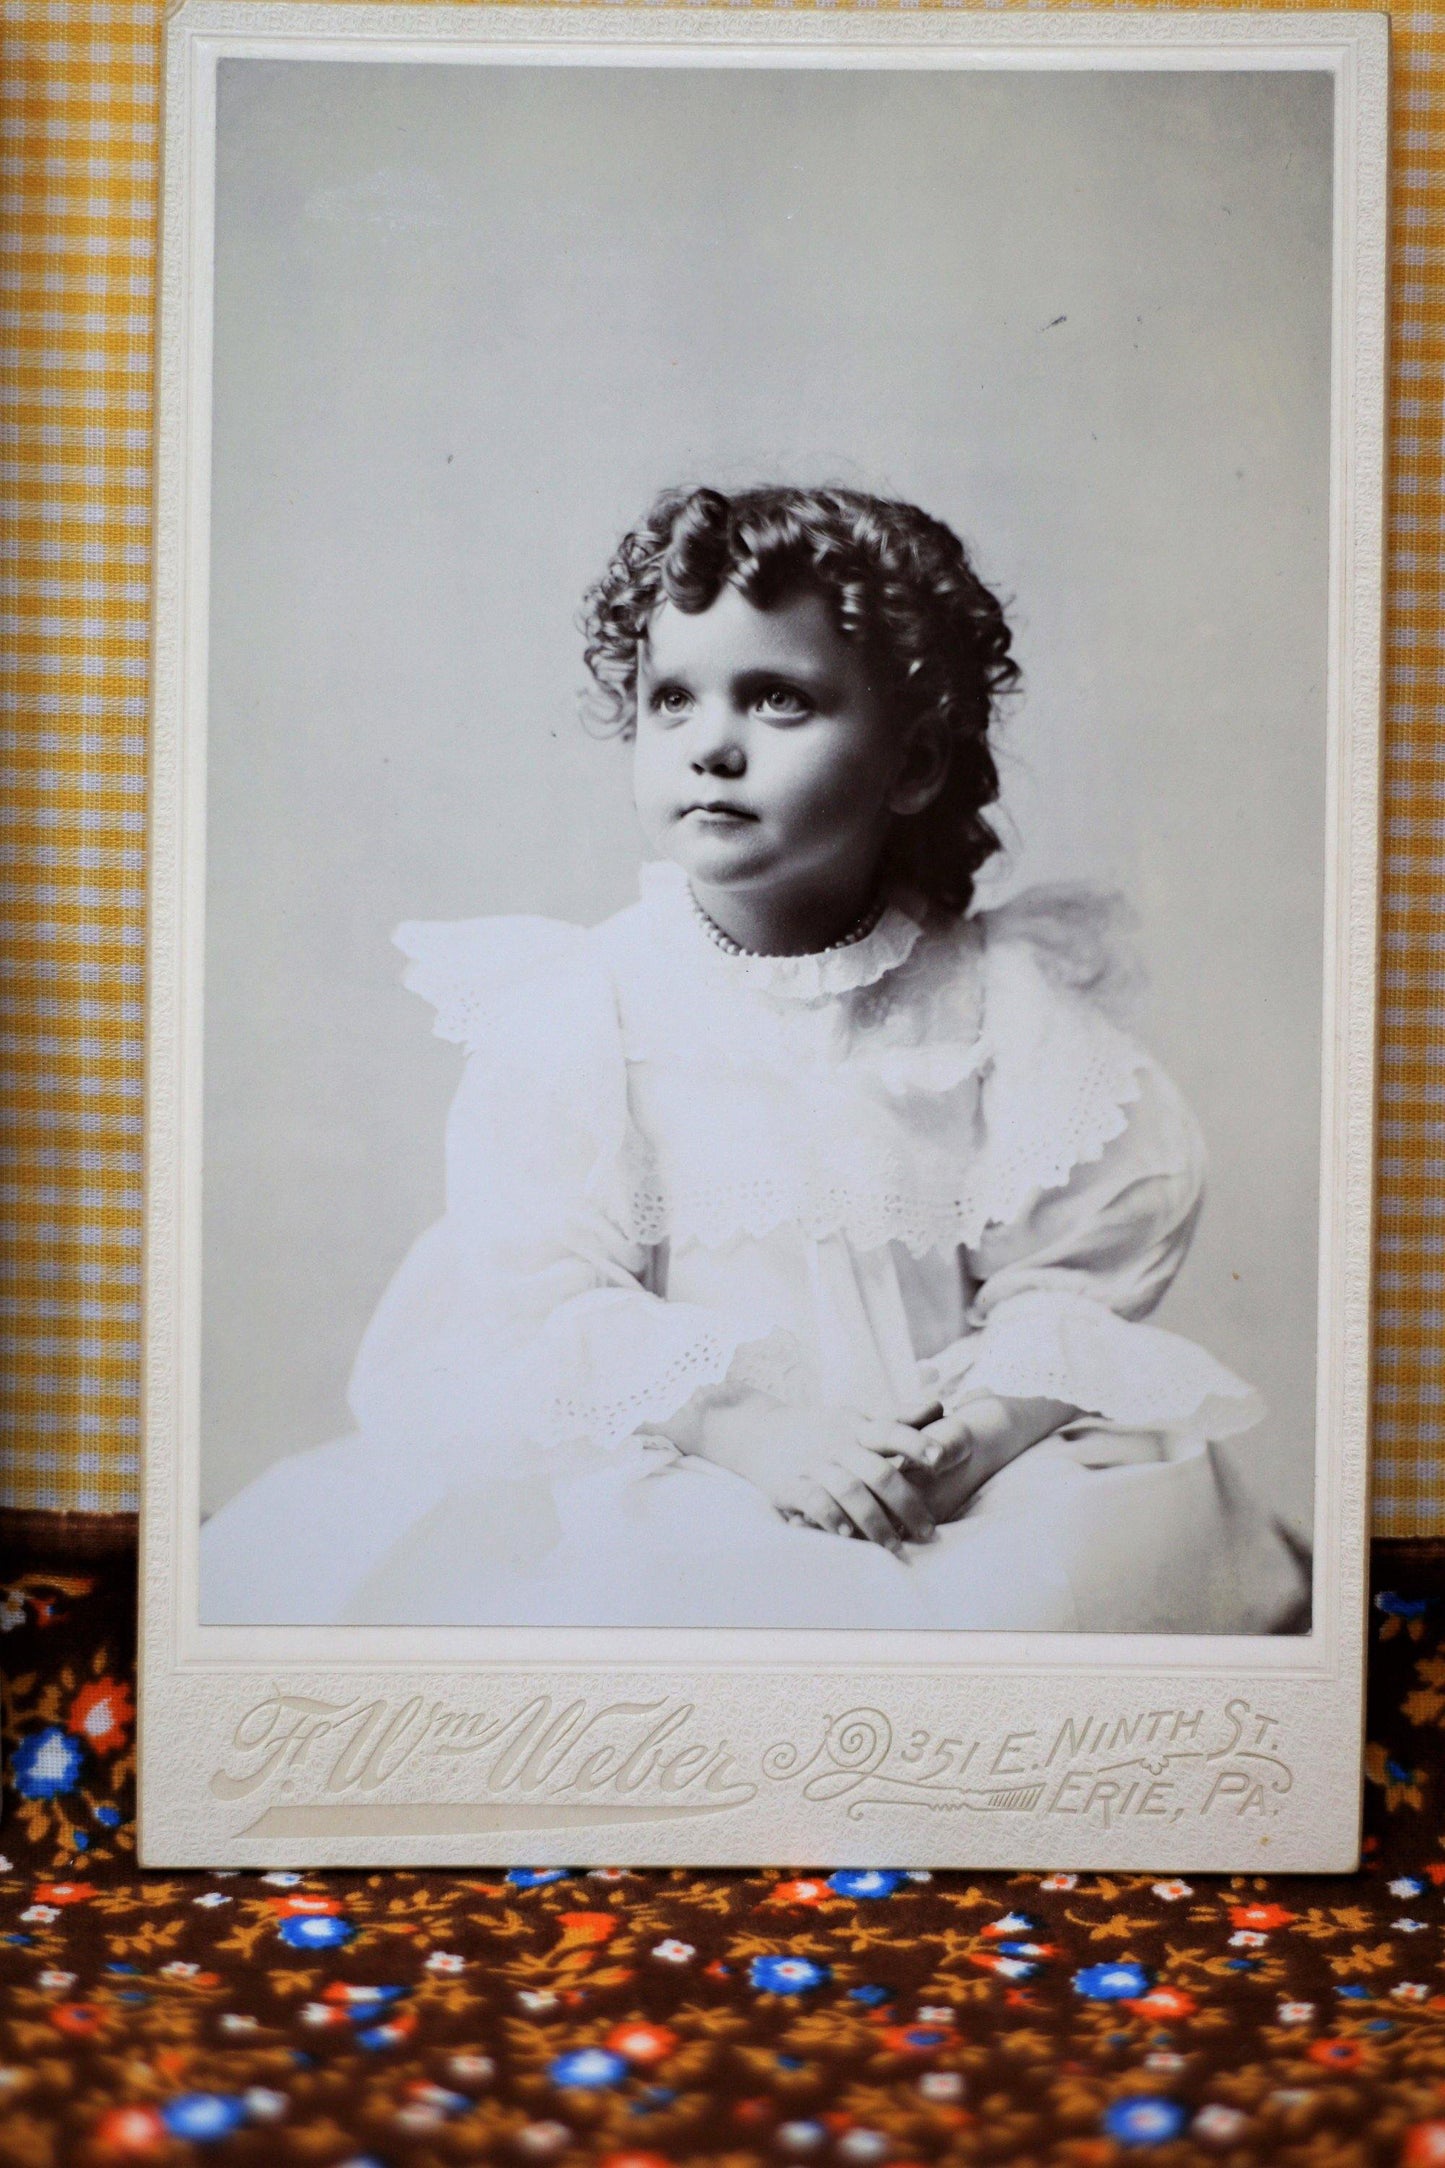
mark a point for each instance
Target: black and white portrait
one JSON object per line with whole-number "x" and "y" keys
{"x": 765, "y": 859}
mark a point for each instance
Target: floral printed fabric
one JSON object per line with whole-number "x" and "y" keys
{"x": 412, "y": 2020}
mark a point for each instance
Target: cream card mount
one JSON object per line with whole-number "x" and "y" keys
{"x": 448, "y": 295}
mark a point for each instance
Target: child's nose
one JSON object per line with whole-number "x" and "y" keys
{"x": 719, "y": 759}
{"x": 716, "y": 746}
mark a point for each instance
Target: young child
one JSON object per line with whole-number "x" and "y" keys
{"x": 801, "y": 1216}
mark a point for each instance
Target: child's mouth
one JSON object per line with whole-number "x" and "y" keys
{"x": 727, "y": 814}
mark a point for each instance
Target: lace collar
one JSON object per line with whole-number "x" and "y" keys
{"x": 665, "y": 896}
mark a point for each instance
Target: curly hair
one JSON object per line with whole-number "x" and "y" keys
{"x": 900, "y": 588}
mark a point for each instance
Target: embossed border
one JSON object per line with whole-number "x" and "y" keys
{"x": 362, "y": 1746}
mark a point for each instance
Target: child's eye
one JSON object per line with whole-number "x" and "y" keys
{"x": 671, "y": 700}
{"x": 785, "y": 701}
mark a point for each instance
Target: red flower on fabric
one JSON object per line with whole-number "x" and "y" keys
{"x": 916, "y": 2039}
{"x": 1263, "y": 1916}
{"x": 62, "y": 1893}
{"x": 1424, "y": 2146}
{"x": 78, "y": 2019}
{"x": 641, "y": 2042}
{"x": 1164, "y": 2002}
{"x": 130, "y": 2133}
{"x": 102, "y": 1714}
{"x": 1336, "y": 2054}
{"x": 589, "y": 1926}
{"x": 803, "y": 1891}
{"x": 293, "y": 1908}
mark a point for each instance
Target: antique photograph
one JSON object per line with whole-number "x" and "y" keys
{"x": 767, "y": 733}
{"x": 797, "y": 604}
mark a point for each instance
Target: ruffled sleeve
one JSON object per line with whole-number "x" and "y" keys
{"x": 520, "y": 1330}
{"x": 1098, "y": 1175}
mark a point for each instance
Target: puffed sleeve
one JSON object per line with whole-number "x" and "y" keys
{"x": 521, "y": 1325}
{"x": 1089, "y": 1231}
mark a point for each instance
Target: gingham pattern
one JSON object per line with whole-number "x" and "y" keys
{"x": 78, "y": 144}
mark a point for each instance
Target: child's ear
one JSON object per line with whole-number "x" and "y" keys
{"x": 922, "y": 773}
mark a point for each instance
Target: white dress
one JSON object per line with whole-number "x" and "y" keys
{"x": 926, "y": 1165}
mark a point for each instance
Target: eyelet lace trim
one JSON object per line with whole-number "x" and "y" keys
{"x": 1043, "y": 1344}
{"x": 712, "y": 1356}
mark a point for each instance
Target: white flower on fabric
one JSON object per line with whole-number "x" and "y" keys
{"x": 1409, "y": 1927}
{"x": 209, "y": 1900}
{"x": 1406, "y": 1885}
{"x": 469, "y": 2069}
{"x": 281, "y": 1879}
{"x": 863, "y": 2145}
{"x": 542, "y": 2140}
{"x": 264, "y": 2105}
{"x": 1217, "y": 2124}
{"x": 40, "y": 1915}
{"x": 537, "y": 1999}
{"x": 236, "y": 2022}
{"x": 445, "y": 1961}
{"x": 418, "y": 2115}
{"x": 1410, "y": 1991}
{"x": 1172, "y": 1890}
{"x": 55, "y": 1981}
{"x": 1247, "y": 1938}
{"x": 941, "y": 2085}
{"x": 673, "y": 1952}
{"x": 1295, "y": 2013}
{"x": 1059, "y": 1881}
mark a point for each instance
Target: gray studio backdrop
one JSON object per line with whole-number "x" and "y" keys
{"x": 468, "y": 319}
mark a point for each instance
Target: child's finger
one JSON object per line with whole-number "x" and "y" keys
{"x": 886, "y": 1482}
{"x": 928, "y": 1411}
{"x": 946, "y": 1445}
{"x": 896, "y": 1441}
{"x": 861, "y": 1507}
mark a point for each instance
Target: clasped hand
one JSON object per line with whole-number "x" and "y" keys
{"x": 835, "y": 1468}
{"x": 891, "y": 1482}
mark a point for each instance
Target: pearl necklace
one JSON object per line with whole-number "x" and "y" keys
{"x": 858, "y": 931}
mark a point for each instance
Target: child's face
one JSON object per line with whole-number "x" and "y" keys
{"x": 763, "y": 759}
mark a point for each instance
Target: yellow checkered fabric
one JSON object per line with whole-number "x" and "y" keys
{"x": 78, "y": 152}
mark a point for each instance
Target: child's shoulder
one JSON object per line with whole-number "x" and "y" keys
{"x": 1061, "y": 943}
{"x": 482, "y": 974}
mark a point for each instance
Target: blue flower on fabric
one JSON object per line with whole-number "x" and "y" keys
{"x": 865, "y": 1882}
{"x": 787, "y": 1975}
{"x": 591, "y": 2070}
{"x": 535, "y": 1877}
{"x": 1144, "y": 2120}
{"x": 1354, "y": 1993}
{"x": 870, "y": 1996}
{"x": 1395, "y": 1606}
{"x": 46, "y": 1763}
{"x": 315, "y": 1931}
{"x": 204, "y": 2116}
{"x": 1112, "y": 1983}
{"x": 108, "y": 1817}
{"x": 376, "y": 2037}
